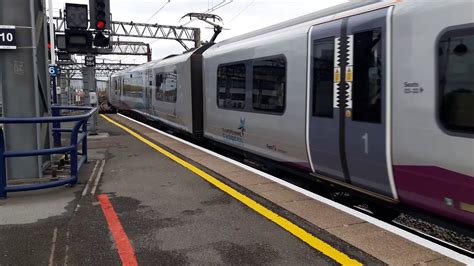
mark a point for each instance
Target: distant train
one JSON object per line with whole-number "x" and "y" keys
{"x": 376, "y": 97}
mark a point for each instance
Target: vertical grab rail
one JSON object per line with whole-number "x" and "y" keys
{"x": 3, "y": 170}
{"x": 55, "y": 112}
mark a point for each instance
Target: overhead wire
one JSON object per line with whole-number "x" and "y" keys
{"x": 241, "y": 11}
{"x": 209, "y": 9}
{"x": 152, "y": 16}
{"x": 158, "y": 11}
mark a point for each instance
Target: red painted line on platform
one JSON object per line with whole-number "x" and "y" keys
{"x": 124, "y": 247}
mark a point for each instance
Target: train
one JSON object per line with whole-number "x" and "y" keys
{"x": 375, "y": 97}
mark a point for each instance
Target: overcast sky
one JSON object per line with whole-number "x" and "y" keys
{"x": 239, "y": 16}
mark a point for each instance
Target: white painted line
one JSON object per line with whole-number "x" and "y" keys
{"x": 388, "y": 227}
{"x": 66, "y": 256}
{"x": 97, "y": 179}
{"x": 91, "y": 177}
{"x": 53, "y": 246}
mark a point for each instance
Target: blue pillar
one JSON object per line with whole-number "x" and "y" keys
{"x": 3, "y": 170}
{"x": 84, "y": 142}
{"x": 56, "y": 125}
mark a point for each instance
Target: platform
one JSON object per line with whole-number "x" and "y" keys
{"x": 149, "y": 199}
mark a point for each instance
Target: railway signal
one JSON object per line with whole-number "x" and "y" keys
{"x": 100, "y": 21}
{"x": 78, "y": 41}
{"x": 99, "y": 11}
{"x": 76, "y": 16}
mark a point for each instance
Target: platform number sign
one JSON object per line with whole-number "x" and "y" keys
{"x": 7, "y": 37}
{"x": 54, "y": 70}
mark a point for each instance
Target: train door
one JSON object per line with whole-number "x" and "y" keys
{"x": 324, "y": 118}
{"x": 365, "y": 116}
{"x": 148, "y": 91}
{"x": 355, "y": 128}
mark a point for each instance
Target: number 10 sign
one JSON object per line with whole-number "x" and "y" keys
{"x": 7, "y": 37}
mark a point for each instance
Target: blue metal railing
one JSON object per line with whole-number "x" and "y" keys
{"x": 78, "y": 136}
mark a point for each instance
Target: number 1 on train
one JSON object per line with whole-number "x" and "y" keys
{"x": 365, "y": 137}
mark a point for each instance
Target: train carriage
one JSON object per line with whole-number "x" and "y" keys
{"x": 373, "y": 96}
{"x": 168, "y": 91}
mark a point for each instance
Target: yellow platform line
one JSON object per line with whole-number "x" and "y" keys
{"x": 297, "y": 231}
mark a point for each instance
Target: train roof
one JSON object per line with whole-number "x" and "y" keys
{"x": 299, "y": 20}
{"x": 302, "y": 19}
{"x": 156, "y": 63}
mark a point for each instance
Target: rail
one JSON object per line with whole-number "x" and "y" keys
{"x": 78, "y": 136}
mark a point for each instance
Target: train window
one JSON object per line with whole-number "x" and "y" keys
{"x": 231, "y": 86}
{"x": 132, "y": 87}
{"x": 166, "y": 86}
{"x": 367, "y": 80}
{"x": 269, "y": 84}
{"x": 456, "y": 80}
{"x": 323, "y": 67}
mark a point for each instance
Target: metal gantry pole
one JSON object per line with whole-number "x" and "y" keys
{"x": 90, "y": 95}
{"x": 53, "y": 52}
{"x": 51, "y": 33}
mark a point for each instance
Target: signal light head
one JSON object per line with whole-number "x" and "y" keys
{"x": 99, "y": 14}
{"x": 100, "y": 5}
{"x": 100, "y": 24}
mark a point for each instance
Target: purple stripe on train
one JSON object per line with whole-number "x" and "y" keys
{"x": 436, "y": 189}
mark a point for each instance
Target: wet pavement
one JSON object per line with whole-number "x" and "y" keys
{"x": 170, "y": 215}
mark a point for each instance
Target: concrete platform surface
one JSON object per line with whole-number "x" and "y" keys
{"x": 169, "y": 216}
{"x": 383, "y": 245}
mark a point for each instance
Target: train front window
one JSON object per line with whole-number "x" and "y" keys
{"x": 269, "y": 84}
{"x": 456, "y": 80}
{"x": 368, "y": 69}
{"x": 231, "y": 86}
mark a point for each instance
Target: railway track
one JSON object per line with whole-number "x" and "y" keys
{"x": 436, "y": 240}
{"x": 469, "y": 252}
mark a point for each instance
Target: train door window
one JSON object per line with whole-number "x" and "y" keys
{"x": 323, "y": 67}
{"x": 269, "y": 84}
{"x": 166, "y": 86}
{"x": 231, "y": 83}
{"x": 456, "y": 80}
{"x": 367, "y": 80}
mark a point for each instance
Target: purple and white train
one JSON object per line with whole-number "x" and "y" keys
{"x": 376, "y": 97}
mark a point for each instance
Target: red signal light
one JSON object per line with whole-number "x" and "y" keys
{"x": 100, "y": 24}
{"x": 49, "y": 45}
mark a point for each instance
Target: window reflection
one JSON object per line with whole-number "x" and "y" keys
{"x": 456, "y": 80}
{"x": 269, "y": 80}
{"x": 323, "y": 86}
{"x": 231, "y": 86}
{"x": 166, "y": 86}
{"x": 367, "y": 85}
